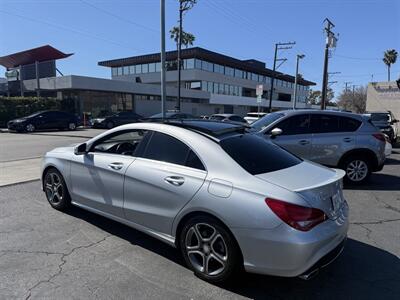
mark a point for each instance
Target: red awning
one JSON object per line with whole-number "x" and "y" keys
{"x": 27, "y": 57}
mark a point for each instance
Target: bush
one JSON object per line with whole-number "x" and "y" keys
{"x": 16, "y": 107}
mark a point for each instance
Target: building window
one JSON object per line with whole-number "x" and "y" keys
{"x": 189, "y": 63}
{"x": 145, "y": 68}
{"x": 131, "y": 69}
{"x": 215, "y": 89}
{"x": 158, "y": 66}
{"x": 238, "y": 73}
{"x": 218, "y": 69}
{"x": 119, "y": 71}
{"x": 197, "y": 64}
{"x": 126, "y": 70}
{"x": 138, "y": 69}
{"x": 152, "y": 68}
{"x": 209, "y": 87}
{"x": 220, "y": 88}
{"x": 114, "y": 71}
{"x": 229, "y": 71}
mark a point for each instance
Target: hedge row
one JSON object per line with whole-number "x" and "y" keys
{"x": 15, "y": 107}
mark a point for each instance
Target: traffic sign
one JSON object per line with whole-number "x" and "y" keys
{"x": 259, "y": 90}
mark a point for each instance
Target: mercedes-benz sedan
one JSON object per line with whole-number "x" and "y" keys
{"x": 226, "y": 198}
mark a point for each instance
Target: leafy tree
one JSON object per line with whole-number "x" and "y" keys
{"x": 389, "y": 58}
{"x": 355, "y": 101}
{"x": 315, "y": 97}
{"x": 187, "y": 37}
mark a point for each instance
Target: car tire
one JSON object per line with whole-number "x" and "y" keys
{"x": 71, "y": 126}
{"x": 110, "y": 125}
{"x": 30, "y": 127}
{"x": 56, "y": 190}
{"x": 209, "y": 249}
{"x": 357, "y": 168}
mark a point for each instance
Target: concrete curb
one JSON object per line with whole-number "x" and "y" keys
{"x": 21, "y": 182}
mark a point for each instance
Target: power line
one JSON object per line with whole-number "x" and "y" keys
{"x": 357, "y": 58}
{"x": 76, "y": 31}
{"x": 119, "y": 17}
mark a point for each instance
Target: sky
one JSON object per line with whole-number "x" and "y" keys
{"x": 96, "y": 30}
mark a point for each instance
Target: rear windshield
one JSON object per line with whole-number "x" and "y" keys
{"x": 379, "y": 117}
{"x": 257, "y": 155}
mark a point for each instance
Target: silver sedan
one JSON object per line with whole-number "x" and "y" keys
{"x": 226, "y": 198}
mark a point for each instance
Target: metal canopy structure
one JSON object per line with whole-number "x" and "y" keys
{"x": 40, "y": 54}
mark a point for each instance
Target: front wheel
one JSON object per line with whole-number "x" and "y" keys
{"x": 358, "y": 169}
{"x": 56, "y": 190}
{"x": 110, "y": 125}
{"x": 209, "y": 249}
{"x": 30, "y": 127}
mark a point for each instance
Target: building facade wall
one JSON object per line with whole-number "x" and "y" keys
{"x": 384, "y": 96}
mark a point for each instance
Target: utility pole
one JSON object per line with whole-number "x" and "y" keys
{"x": 330, "y": 43}
{"x": 184, "y": 5}
{"x": 346, "y": 84}
{"x": 162, "y": 54}
{"x": 278, "y": 46}
{"x": 298, "y": 57}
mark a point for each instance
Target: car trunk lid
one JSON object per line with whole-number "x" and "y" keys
{"x": 320, "y": 187}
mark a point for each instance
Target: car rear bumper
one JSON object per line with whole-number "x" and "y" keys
{"x": 284, "y": 251}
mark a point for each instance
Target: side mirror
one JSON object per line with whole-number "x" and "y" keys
{"x": 275, "y": 132}
{"x": 395, "y": 121}
{"x": 80, "y": 149}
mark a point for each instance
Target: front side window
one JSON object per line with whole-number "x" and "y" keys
{"x": 295, "y": 125}
{"x": 266, "y": 121}
{"x": 257, "y": 155}
{"x": 324, "y": 123}
{"x": 124, "y": 143}
{"x": 163, "y": 147}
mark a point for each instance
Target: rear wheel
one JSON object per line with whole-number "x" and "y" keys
{"x": 71, "y": 126}
{"x": 56, "y": 190}
{"x": 209, "y": 249}
{"x": 357, "y": 168}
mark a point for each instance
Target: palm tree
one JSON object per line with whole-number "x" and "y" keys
{"x": 187, "y": 37}
{"x": 389, "y": 58}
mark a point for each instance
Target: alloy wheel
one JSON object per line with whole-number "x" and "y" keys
{"x": 54, "y": 188}
{"x": 71, "y": 126}
{"x": 30, "y": 128}
{"x": 206, "y": 249}
{"x": 357, "y": 170}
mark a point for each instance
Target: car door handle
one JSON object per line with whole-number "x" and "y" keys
{"x": 347, "y": 139}
{"x": 304, "y": 142}
{"x": 174, "y": 180}
{"x": 116, "y": 165}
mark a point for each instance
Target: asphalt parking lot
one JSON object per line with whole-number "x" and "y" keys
{"x": 48, "y": 254}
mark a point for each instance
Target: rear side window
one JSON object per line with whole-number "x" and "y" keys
{"x": 163, "y": 147}
{"x": 324, "y": 123}
{"x": 295, "y": 125}
{"x": 257, "y": 155}
{"x": 236, "y": 119}
{"x": 348, "y": 124}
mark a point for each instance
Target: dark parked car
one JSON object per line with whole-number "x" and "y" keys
{"x": 386, "y": 123}
{"x": 121, "y": 118}
{"x": 228, "y": 118}
{"x": 170, "y": 115}
{"x": 44, "y": 120}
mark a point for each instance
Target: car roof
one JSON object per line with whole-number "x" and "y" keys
{"x": 225, "y": 115}
{"x": 317, "y": 111}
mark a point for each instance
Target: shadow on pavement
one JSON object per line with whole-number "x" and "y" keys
{"x": 378, "y": 182}
{"x": 361, "y": 272}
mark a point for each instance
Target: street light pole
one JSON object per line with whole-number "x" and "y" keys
{"x": 299, "y": 56}
{"x": 163, "y": 87}
{"x": 178, "y": 100}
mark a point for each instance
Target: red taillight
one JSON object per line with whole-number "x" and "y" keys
{"x": 379, "y": 136}
{"x": 297, "y": 216}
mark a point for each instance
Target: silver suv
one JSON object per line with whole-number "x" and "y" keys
{"x": 335, "y": 139}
